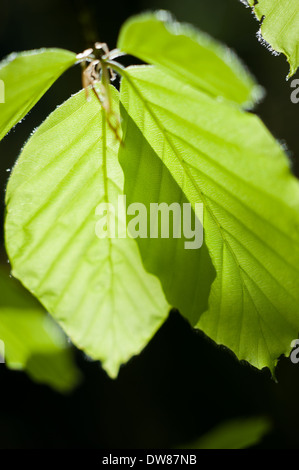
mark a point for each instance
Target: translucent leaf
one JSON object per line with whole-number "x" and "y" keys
{"x": 280, "y": 27}
{"x": 32, "y": 341}
{"x": 190, "y": 55}
{"x": 227, "y": 160}
{"x": 235, "y": 434}
{"x": 25, "y": 78}
{"x": 96, "y": 288}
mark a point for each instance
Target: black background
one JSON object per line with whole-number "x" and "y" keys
{"x": 182, "y": 384}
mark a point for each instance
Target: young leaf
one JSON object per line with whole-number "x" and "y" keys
{"x": 190, "y": 55}
{"x": 235, "y": 434}
{"x": 97, "y": 289}
{"x": 26, "y": 78}
{"x": 279, "y": 28}
{"x": 227, "y": 160}
{"x": 32, "y": 341}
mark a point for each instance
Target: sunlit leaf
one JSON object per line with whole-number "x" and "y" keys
{"x": 280, "y": 27}
{"x": 32, "y": 341}
{"x": 26, "y": 77}
{"x": 235, "y": 434}
{"x": 190, "y": 55}
{"x": 96, "y": 288}
{"x": 226, "y": 159}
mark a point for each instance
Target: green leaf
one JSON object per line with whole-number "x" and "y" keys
{"x": 97, "y": 289}
{"x": 190, "y": 55}
{"x": 235, "y": 434}
{"x": 227, "y": 160}
{"x": 32, "y": 341}
{"x": 26, "y": 78}
{"x": 186, "y": 274}
{"x": 279, "y": 29}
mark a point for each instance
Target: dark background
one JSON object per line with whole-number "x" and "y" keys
{"x": 182, "y": 384}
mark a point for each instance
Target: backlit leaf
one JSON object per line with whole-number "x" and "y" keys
{"x": 226, "y": 159}
{"x": 31, "y": 339}
{"x": 25, "y": 78}
{"x": 97, "y": 289}
{"x": 280, "y": 27}
{"x": 235, "y": 434}
{"x": 190, "y": 55}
